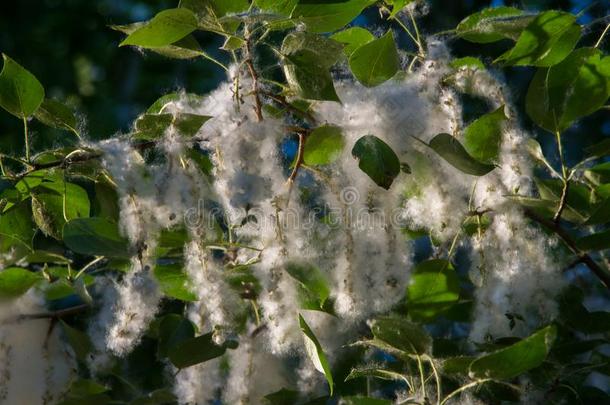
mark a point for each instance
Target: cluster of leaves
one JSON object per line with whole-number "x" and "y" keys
{"x": 59, "y": 213}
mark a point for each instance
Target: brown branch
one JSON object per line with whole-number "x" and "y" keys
{"x": 258, "y": 106}
{"x": 282, "y": 100}
{"x": 562, "y": 201}
{"x": 50, "y": 315}
{"x": 583, "y": 257}
{"x": 63, "y": 163}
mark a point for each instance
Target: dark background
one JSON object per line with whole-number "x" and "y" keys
{"x": 67, "y": 44}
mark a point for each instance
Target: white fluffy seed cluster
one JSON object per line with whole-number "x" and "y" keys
{"x": 361, "y": 249}
{"x": 35, "y": 366}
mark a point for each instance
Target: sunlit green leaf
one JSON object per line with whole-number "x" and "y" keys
{"x": 328, "y": 16}
{"x": 375, "y": 62}
{"x": 174, "y": 282}
{"x": 450, "y": 149}
{"x": 15, "y": 281}
{"x": 327, "y": 50}
{"x": 575, "y": 88}
{"x": 323, "y": 145}
{"x": 353, "y": 38}
{"x": 164, "y": 29}
{"x": 516, "y": 359}
{"x": 546, "y": 40}
{"x": 309, "y": 77}
{"x": 56, "y": 202}
{"x": 493, "y": 24}
{"x": 282, "y": 7}
{"x": 433, "y": 289}
{"x": 57, "y": 115}
{"x": 467, "y": 61}
{"x": 316, "y": 353}
{"x": 20, "y": 92}
{"x": 483, "y": 137}
{"x": 311, "y": 278}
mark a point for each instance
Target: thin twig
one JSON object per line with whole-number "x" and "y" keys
{"x": 601, "y": 37}
{"x": 52, "y": 315}
{"x": 282, "y": 100}
{"x": 602, "y": 274}
{"x": 562, "y": 201}
{"x": 258, "y": 107}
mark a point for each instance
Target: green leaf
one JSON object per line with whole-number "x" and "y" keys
{"x": 566, "y": 92}
{"x": 375, "y": 62}
{"x": 174, "y": 282}
{"x": 55, "y": 114}
{"x": 483, "y": 137}
{"x": 185, "y": 48}
{"x": 217, "y": 8}
{"x": 546, "y": 40}
{"x": 192, "y": 100}
{"x": 467, "y": 61}
{"x": 281, "y": 7}
{"x": 80, "y": 342}
{"x": 601, "y": 213}
{"x": 173, "y": 330}
{"x": 375, "y": 372}
{"x": 599, "y": 149}
{"x": 42, "y": 256}
{"x": 17, "y": 227}
{"x": 195, "y": 350}
{"x": 377, "y": 160}
{"x": 516, "y": 359}
{"x": 323, "y": 145}
{"x": 20, "y": 92}
{"x": 56, "y": 202}
{"x": 493, "y": 24}
{"x": 326, "y": 49}
{"x": 164, "y": 29}
{"x": 402, "y": 335}
{"x": 353, "y": 38}
{"x": 397, "y": 6}
{"x": 328, "y": 16}
{"x": 308, "y": 76}
{"x": 95, "y": 237}
{"x": 15, "y": 281}
{"x": 596, "y": 241}
{"x": 433, "y": 289}
{"x": 189, "y": 124}
{"x": 316, "y": 353}
{"x": 457, "y": 365}
{"x": 311, "y": 278}
{"x": 450, "y": 149}
{"x": 154, "y": 126}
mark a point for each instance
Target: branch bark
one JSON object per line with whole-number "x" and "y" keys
{"x": 599, "y": 272}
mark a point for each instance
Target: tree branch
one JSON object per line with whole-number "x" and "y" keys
{"x": 258, "y": 106}
{"x": 600, "y": 272}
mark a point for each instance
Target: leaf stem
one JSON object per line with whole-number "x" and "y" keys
{"x": 27, "y": 139}
{"x": 564, "y": 178}
{"x": 464, "y": 388}
{"x": 601, "y": 37}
